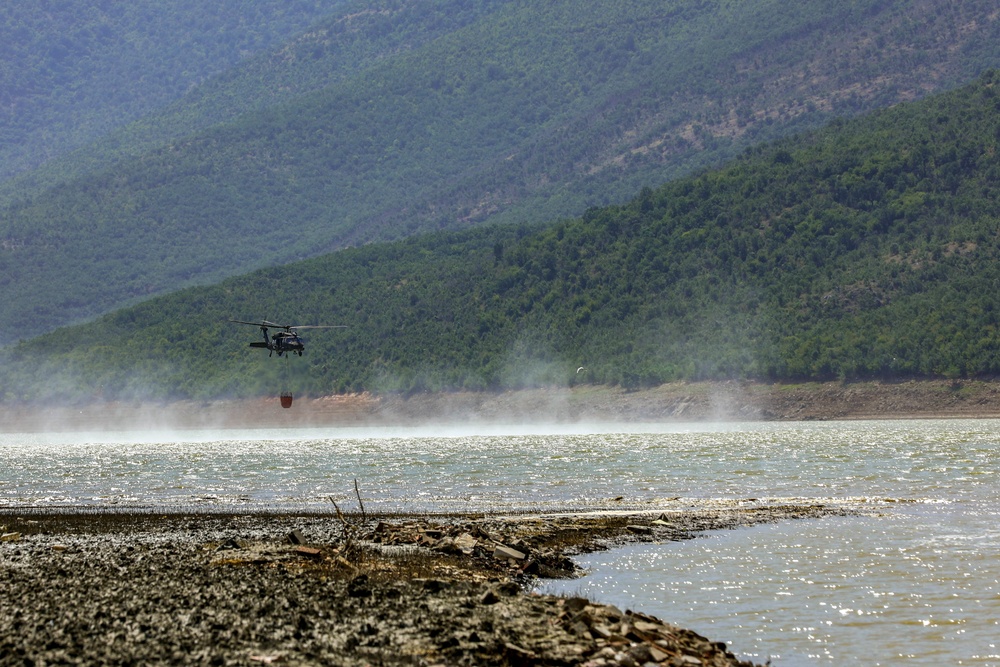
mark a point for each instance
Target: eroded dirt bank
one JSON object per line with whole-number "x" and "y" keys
{"x": 132, "y": 588}
{"x": 582, "y": 404}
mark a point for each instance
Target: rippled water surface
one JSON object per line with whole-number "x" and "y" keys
{"x": 914, "y": 581}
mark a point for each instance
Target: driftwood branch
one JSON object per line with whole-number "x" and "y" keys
{"x": 364, "y": 517}
{"x": 349, "y": 529}
{"x": 340, "y": 515}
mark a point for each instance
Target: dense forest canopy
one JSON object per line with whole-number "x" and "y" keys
{"x": 867, "y": 249}
{"x": 387, "y": 118}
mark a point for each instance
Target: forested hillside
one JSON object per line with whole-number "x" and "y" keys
{"x": 70, "y": 72}
{"x": 396, "y": 118}
{"x": 868, "y": 249}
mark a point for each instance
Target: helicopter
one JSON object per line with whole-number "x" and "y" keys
{"x": 285, "y": 340}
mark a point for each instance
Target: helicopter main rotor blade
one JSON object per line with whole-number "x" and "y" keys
{"x": 263, "y": 323}
{"x": 318, "y": 326}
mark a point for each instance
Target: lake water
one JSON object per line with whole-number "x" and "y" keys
{"x": 915, "y": 580}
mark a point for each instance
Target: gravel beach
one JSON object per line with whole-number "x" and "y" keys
{"x": 137, "y": 588}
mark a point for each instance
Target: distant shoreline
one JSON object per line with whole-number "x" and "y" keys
{"x": 587, "y": 404}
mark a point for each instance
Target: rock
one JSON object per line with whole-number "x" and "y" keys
{"x": 509, "y": 588}
{"x": 308, "y": 552}
{"x": 606, "y": 653}
{"x": 465, "y": 543}
{"x": 483, "y": 535}
{"x": 641, "y": 653}
{"x": 462, "y": 545}
{"x": 231, "y": 543}
{"x": 628, "y": 661}
{"x": 296, "y": 537}
{"x": 531, "y": 567}
{"x": 503, "y": 552}
{"x": 358, "y": 587}
{"x": 656, "y": 655}
{"x": 519, "y": 656}
{"x": 602, "y": 631}
{"x": 613, "y": 612}
{"x": 434, "y": 585}
{"x": 640, "y": 530}
{"x": 646, "y": 626}
{"x": 580, "y": 629}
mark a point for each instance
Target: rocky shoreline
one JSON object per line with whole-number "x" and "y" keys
{"x": 209, "y": 589}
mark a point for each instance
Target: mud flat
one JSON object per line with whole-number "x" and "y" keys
{"x": 250, "y": 589}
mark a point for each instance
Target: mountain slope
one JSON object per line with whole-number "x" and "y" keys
{"x": 349, "y": 38}
{"x": 74, "y": 71}
{"x": 868, "y": 249}
{"x": 525, "y": 112}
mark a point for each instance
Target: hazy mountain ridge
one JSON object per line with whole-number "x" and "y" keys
{"x": 869, "y": 249}
{"x": 335, "y": 48}
{"x": 77, "y": 71}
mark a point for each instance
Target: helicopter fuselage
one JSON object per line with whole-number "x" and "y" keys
{"x": 286, "y": 339}
{"x": 281, "y": 342}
